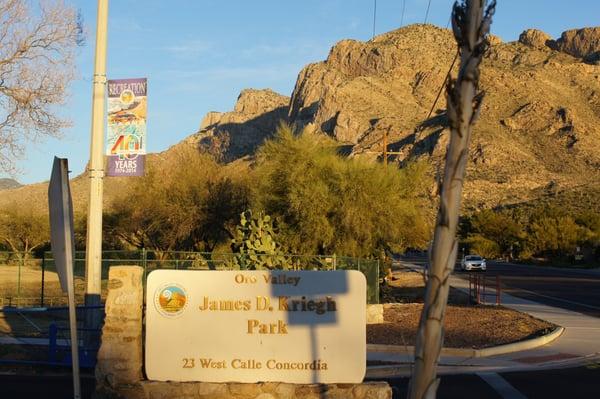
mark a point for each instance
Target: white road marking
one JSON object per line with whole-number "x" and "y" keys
{"x": 501, "y": 386}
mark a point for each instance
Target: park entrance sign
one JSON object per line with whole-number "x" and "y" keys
{"x": 251, "y": 326}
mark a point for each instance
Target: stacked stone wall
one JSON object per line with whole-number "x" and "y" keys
{"x": 119, "y": 372}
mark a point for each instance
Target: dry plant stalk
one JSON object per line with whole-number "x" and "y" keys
{"x": 37, "y": 61}
{"x": 470, "y": 25}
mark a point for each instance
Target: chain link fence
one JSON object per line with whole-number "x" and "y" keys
{"x": 31, "y": 282}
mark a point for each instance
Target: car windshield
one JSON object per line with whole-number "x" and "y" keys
{"x": 473, "y": 258}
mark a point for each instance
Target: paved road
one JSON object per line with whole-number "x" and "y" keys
{"x": 573, "y": 383}
{"x": 577, "y": 290}
{"x": 43, "y": 386}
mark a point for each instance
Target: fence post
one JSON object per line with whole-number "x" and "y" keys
{"x": 19, "y": 280}
{"x": 52, "y": 332}
{"x": 470, "y": 288}
{"x": 144, "y": 263}
{"x": 498, "y": 301}
{"x": 43, "y": 276}
{"x": 377, "y": 279}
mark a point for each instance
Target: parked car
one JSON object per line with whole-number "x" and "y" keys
{"x": 473, "y": 262}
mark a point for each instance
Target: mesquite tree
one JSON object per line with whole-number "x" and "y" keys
{"x": 37, "y": 62}
{"x": 470, "y": 24}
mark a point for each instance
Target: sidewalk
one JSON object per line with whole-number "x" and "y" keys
{"x": 579, "y": 344}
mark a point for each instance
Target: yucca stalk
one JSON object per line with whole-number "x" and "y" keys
{"x": 470, "y": 24}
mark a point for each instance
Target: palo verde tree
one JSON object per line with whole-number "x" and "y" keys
{"x": 37, "y": 47}
{"x": 470, "y": 24}
{"x": 327, "y": 203}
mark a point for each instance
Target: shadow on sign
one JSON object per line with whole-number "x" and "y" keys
{"x": 322, "y": 293}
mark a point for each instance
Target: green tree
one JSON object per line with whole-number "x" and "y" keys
{"x": 193, "y": 207}
{"x": 22, "y": 230}
{"x": 220, "y": 211}
{"x": 480, "y": 245}
{"x": 489, "y": 226}
{"x": 555, "y": 235}
{"x": 331, "y": 204}
{"x": 590, "y": 221}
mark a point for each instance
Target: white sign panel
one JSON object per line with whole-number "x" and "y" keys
{"x": 62, "y": 239}
{"x": 251, "y": 326}
{"x": 60, "y": 207}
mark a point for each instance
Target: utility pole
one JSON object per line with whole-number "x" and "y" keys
{"x": 384, "y": 152}
{"x": 385, "y": 146}
{"x": 93, "y": 255}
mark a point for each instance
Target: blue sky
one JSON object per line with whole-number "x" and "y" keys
{"x": 199, "y": 54}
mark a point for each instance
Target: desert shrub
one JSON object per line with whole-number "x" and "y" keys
{"x": 495, "y": 232}
{"x": 331, "y": 204}
{"x": 194, "y": 207}
{"x": 22, "y": 230}
{"x": 480, "y": 245}
{"x": 555, "y": 235}
{"x": 543, "y": 230}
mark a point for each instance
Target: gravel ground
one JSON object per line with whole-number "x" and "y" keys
{"x": 465, "y": 326}
{"x": 409, "y": 287}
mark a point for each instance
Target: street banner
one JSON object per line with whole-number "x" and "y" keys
{"x": 126, "y": 142}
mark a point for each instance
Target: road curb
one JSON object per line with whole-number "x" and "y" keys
{"x": 471, "y": 353}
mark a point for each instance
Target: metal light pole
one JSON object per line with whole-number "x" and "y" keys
{"x": 93, "y": 255}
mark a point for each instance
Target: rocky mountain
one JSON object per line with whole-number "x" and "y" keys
{"x": 6, "y": 184}
{"x": 538, "y": 133}
{"x": 231, "y": 135}
{"x": 539, "y": 124}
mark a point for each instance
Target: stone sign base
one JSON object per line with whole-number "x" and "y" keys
{"x": 119, "y": 369}
{"x": 264, "y": 390}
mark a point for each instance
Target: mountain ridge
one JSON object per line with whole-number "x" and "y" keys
{"x": 537, "y": 129}
{"x": 7, "y": 183}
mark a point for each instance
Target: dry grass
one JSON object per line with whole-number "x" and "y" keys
{"x": 30, "y": 290}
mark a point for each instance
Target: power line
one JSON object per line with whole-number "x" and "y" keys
{"x": 427, "y": 12}
{"x": 442, "y": 87}
{"x": 402, "y": 18}
{"x": 374, "y": 16}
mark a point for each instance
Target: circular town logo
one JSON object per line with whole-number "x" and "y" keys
{"x": 170, "y": 300}
{"x": 127, "y": 97}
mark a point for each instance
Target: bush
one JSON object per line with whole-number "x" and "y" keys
{"x": 22, "y": 230}
{"x": 482, "y": 246}
{"x": 331, "y": 204}
{"x": 546, "y": 231}
{"x": 255, "y": 242}
{"x": 194, "y": 207}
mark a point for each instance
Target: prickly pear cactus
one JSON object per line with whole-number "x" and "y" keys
{"x": 255, "y": 244}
